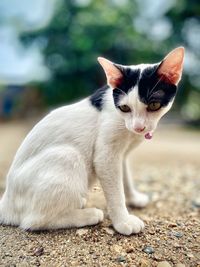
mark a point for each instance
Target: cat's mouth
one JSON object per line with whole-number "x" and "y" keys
{"x": 147, "y": 135}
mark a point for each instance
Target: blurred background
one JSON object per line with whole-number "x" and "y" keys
{"x": 48, "y": 49}
{"x": 48, "y": 57}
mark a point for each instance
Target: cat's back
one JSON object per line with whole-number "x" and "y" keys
{"x": 74, "y": 124}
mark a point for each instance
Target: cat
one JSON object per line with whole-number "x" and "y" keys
{"x": 48, "y": 181}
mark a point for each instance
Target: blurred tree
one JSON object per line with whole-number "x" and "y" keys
{"x": 74, "y": 39}
{"x": 81, "y": 30}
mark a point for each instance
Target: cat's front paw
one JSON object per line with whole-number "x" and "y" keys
{"x": 138, "y": 200}
{"x": 132, "y": 225}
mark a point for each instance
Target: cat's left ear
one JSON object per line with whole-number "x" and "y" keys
{"x": 113, "y": 74}
{"x": 172, "y": 66}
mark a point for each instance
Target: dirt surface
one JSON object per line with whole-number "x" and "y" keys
{"x": 167, "y": 168}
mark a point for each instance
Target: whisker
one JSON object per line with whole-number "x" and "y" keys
{"x": 151, "y": 90}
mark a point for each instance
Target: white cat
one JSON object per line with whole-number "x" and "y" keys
{"x": 47, "y": 184}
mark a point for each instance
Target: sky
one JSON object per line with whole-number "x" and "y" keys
{"x": 17, "y": 63}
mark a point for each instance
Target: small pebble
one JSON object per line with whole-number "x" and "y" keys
{"x": 177, "y": 234}
{"x": 180, "y": 265}
{"x": 109, "y": 231}
{"x": 38, "y": 251}
{"x": 148, "y": 250}
{"x": 129, "y": 250}
{"x": 151, "y": 232}
{"x": 121, "y": 259}
{"x": 81, "y": 232}
{"x": 172, "y": 224}
{"x": 164, "y": 264}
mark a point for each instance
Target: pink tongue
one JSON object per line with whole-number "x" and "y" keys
{"x": 148, "y": 136}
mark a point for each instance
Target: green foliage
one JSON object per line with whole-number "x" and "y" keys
{"x": 78, "y": 34}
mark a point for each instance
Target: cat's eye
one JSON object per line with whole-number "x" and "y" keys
{"x": 124, "y": 108}
{"x": 154, "y": 106}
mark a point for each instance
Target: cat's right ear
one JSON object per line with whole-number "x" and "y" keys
{"x": 113, "y": 74}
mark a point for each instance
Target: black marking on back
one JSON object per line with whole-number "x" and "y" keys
{"x": 96, "y": 99}
{"x": 152, "y": 89}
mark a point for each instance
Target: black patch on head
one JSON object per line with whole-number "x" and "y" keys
{"x": 130, "y": 79}
{"x": 117, "y": 94}
{"x": 96, "y": 99}
{"x": 152, "y": 89}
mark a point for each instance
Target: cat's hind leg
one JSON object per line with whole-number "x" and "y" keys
{"x": 73, "y": 218}
{"x": 53, "y": 189}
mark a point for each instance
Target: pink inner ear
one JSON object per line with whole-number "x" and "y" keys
{"x": 113, "y": 74}
{"x": 115, "y": 82}
{"x": 169, "y": 76}
{"x": 171, "y": 68}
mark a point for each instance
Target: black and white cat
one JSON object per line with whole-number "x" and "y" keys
{"x": 47, "y": 184}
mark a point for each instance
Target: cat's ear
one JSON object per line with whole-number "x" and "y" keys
{"x": 113, "y": 74}
{"x": 172, "y": 66}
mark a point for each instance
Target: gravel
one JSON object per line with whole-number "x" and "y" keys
{"x": 172, "y": 219}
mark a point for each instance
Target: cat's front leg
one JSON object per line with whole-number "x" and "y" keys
{"x": 109, "y": 170}
{"x": 134, "y": 198}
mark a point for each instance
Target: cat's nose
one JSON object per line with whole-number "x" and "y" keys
{"x": 139, "y": 129}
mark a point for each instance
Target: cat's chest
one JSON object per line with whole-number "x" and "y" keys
{"x": 122, "y": 143}
{"x": 114, "y": 136}
{"x": 132, "y": 141}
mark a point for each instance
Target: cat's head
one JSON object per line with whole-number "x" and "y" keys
{"x": 142, "y": 94}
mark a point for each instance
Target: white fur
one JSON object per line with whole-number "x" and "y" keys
{"x": 62, "y": 156}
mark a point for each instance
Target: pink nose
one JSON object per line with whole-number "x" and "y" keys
{"x": 139, "y": 129}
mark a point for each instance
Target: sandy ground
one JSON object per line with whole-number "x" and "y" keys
{"x": 167, "y": 167}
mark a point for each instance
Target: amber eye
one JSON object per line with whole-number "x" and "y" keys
{"x": 153, "y": 106}
{"x": 124, "y": 108}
